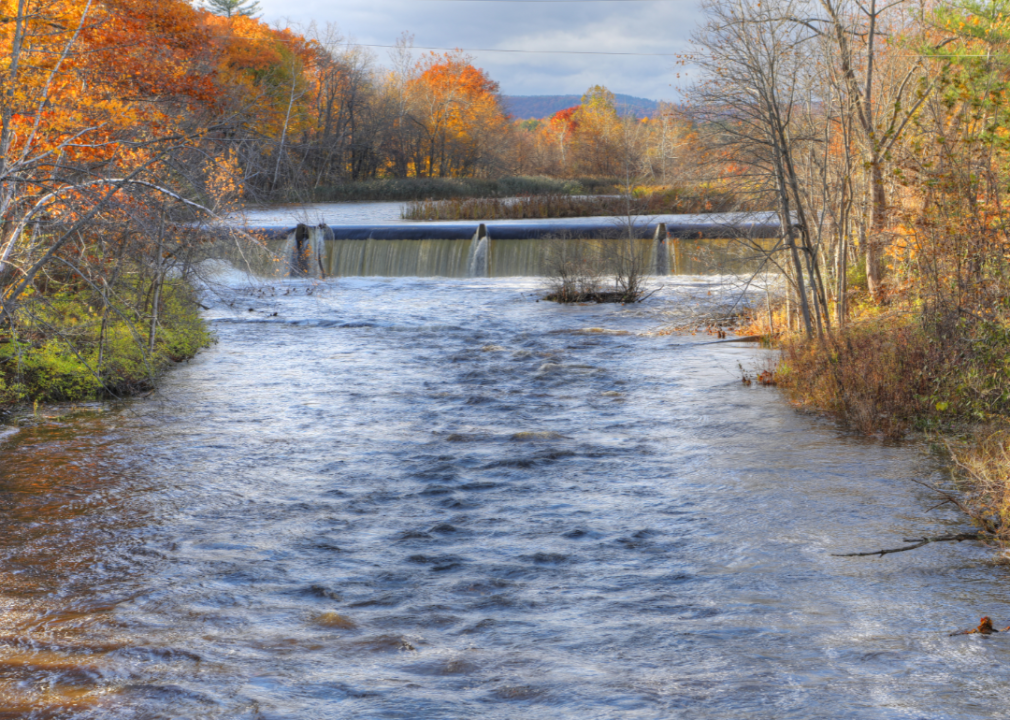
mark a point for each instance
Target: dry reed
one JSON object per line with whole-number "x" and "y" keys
{"x": 984, "y": 468}
{"x": 557, "y": 205}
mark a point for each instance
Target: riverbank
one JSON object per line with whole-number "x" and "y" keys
{"x": 530, "y": 196}
{"x": 905, "y": 373}
{"x": 67, "y": 345}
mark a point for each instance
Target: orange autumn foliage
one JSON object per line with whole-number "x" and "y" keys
{"x": 110, "y": 108}
{"x": 138, "y": 68}
{"x": 565, "y": 121}
{"x": 459, "y": 111}
{"x": 118, "y": 76}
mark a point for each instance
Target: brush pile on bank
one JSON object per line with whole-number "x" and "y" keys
{"x": 569, "y": 295}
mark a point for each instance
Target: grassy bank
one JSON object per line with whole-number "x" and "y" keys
{"x": 901, "y": 372}
{"x": 945, "y": 374}
{"x": 407, "y": 189}
{"x": 643, "y": 201}
{"x": 67, "y": 345}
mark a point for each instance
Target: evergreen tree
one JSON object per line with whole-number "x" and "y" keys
{"x": 228, "y": 8}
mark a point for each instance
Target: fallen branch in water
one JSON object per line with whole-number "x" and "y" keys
{"x": 917, "y": 543}
{"x": 738, "y": 338}
{"x": 989, "y": 527}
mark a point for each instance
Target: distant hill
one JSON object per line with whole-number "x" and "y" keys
{"x": 523, "y": 107}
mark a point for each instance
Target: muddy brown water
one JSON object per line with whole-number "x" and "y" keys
{"x": 432, "y": 498}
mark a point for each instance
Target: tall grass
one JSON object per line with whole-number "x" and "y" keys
{"x": 494, "y": 208}
{"x": 984, "y": 464}
{"x": 871, "y": 378}
{"x": 657, "y": 201}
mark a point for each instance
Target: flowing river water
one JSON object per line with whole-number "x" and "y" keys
{"x": 440, "y": 498}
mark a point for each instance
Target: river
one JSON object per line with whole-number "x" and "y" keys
{"x": 333, "y": 213}
{"x": 440, "y": 498}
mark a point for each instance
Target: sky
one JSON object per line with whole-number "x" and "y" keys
{"x": 635, "y": 26}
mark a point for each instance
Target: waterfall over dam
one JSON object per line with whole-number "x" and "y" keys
{"x": 670, "y": 244}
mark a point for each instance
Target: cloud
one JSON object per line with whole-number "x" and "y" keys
{"x": 646, "y": 26}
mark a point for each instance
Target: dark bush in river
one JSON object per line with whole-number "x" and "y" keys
{"x": 599, "y": 271}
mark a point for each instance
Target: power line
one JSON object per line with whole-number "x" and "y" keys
{"x": 525, "y": 52}
{"x": 544, "y": 1}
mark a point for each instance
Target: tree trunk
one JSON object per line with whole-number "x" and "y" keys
{"x": 878, "y": 210}
{"x": 153, "y": 335}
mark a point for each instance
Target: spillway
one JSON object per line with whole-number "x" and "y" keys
{"x": 725, "y": 243}
{"x": 524, "y": 258}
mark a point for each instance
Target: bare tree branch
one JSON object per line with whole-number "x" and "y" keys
{"x": 917, "y": 543}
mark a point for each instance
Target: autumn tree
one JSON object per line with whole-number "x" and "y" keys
{"x": 458, "y": 111}
{"x": 952, "y": 245}
{"x": 561, "y": 128}
{"x": 72, "y": 137}
{"x": 109, "y": 161}
{"x": 671, "y": 155}
{"x": 340, "y": 139}
{"x": 757, "y": 64}
{"x": 597, "y": 144}
{"x": 880, "y": 88}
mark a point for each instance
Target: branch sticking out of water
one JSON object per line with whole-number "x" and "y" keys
{"x": 738, "y": 338}
{"x": 916, "y": 543}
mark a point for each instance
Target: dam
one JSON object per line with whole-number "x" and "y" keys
{"x": 724, "y": 243}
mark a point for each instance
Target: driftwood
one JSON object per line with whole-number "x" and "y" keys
{"x": 984, "y": 628}
{"x": 916, "y": 543}
{"x": 738, "y": 338}
{"x": 988, "y": 527}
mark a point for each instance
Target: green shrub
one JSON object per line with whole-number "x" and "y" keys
{"x": 59, "y": 353}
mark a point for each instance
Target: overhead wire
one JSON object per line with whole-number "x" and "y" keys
{"x": 522, "y": 52}
{"x": 543, "y": 1}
